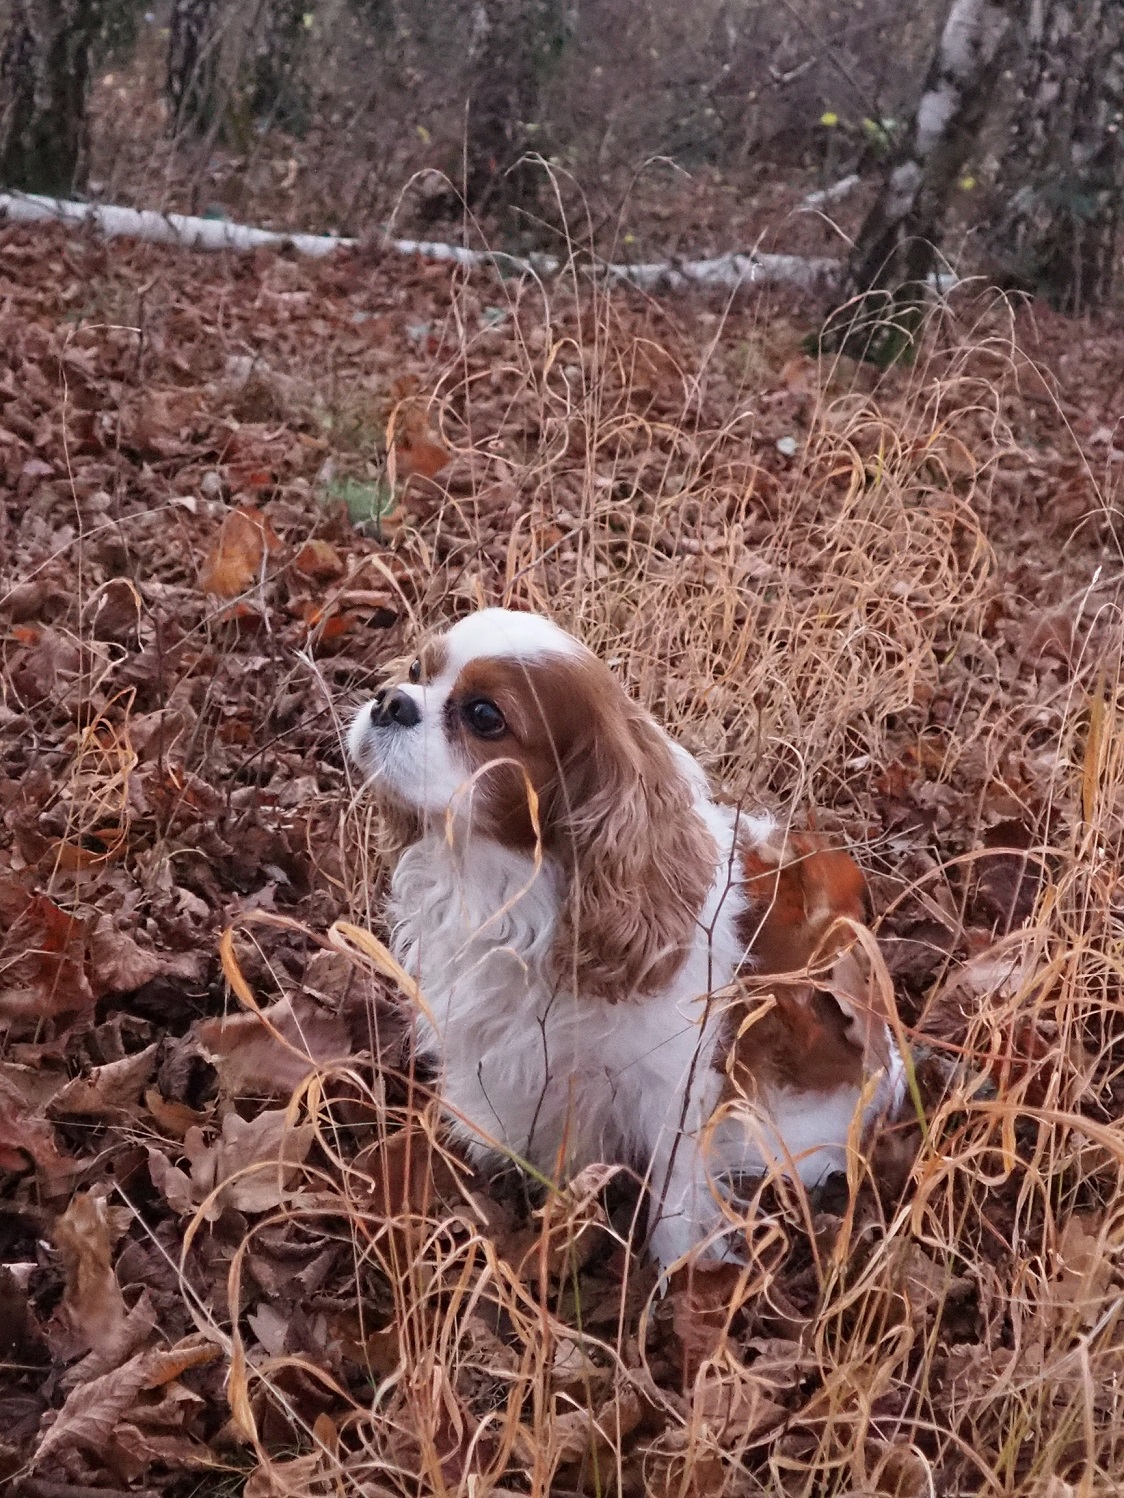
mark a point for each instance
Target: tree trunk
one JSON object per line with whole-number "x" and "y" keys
{"x": 1060, "y": 185}
{"x": 501, "y": 103}
{"x": 514, "y": 45}
{"x": 277, "y": 93}
{"x": 192, "y": 81}
{"x": 895, "y": 251}
{"x": 44, "y": 82}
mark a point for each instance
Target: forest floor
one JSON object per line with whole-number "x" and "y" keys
{"x": 235, "y": 1252}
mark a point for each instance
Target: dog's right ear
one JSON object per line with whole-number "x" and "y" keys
{"x": 795, "y": 895}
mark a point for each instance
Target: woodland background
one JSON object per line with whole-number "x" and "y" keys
{"x": 855, "y": 536}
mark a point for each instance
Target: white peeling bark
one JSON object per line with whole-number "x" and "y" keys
{"x": 833, "y": 194}
{"x": 1060, "y": 186}
{"x": 895, "y": 244}
{"x": 161, "y": 228}
{"x": 895, "y": 250}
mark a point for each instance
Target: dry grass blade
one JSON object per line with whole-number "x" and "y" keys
{"x": 880, "y": 607}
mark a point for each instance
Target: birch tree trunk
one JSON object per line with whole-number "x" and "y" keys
{"x": 1060, "y": 186}
{"x": 44, "y": 82}
{"x": 895, "y": 251}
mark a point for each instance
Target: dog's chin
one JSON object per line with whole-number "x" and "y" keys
{"x": 390, "y": 782}
{"x": 370, "y": 764}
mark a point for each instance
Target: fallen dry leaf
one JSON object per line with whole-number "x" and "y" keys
{"x": 93, "y": 1410}
{"x": 407, "y": 1173}
{"x": 272, "y": 1054}
{"x": 421, "y": 457}
{"x": 134, "y": 1448}
{"x": 111, "y": 1350}
{"x": 319, "y": 560}
{"x": 234, "y": 562}
{"x": 43, "y": 958}
{"x": 249, "y": 1167}
{"x": 414, "y": 448}
{"x": 299, "y": 1477}
{"x": 1086, "y": 1269}
{"x": 171, "y": 1117}
{"x": 92, "y": 1301}
{"x": 704, "y": 1299}
{"x": 118, "y": 963}
{"x": 28, "y": 1141}
{"x": 109, "y": 1091}
{"x": 735, "y": 1402}
{"x": 573, "y": 1434}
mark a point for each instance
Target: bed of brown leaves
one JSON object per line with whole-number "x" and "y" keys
{"x": 232, "y": 1247}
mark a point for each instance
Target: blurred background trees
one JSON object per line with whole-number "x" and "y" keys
{"x": 192, "y": 86}
{"x": 1060, "y": 177}
{"x": 45, "y": 59}
{"x": 988, "y": 131}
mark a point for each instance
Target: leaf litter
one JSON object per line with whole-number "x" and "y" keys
{"x": 235, "y": 1246}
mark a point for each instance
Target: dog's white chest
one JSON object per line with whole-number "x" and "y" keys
{"x": 527, "y": 1068}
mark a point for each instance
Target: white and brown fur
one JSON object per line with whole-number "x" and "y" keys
{"x": 570, "y": 899}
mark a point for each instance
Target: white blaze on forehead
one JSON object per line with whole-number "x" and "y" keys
{"x": 502, "y": 632}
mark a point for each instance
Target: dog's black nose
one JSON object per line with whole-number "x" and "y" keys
{"x": 394, "y": 709}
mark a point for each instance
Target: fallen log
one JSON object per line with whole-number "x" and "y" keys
{"x": 726, "y": 272}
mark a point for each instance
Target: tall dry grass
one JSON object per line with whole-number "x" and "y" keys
{"x": 794, "y": 624}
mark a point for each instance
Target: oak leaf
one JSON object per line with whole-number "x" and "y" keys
{"x": 93, "y": 1411}
{"x": 109, "y": 1091}
{"x": 250, "y": 1167}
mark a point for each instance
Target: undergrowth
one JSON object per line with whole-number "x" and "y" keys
{"x": 811, "y": 578}
{"x": 955, "y": 1330}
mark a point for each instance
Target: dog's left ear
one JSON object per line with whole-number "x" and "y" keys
{"x": 796, "y": 894}
{"x": 640, "y": 859}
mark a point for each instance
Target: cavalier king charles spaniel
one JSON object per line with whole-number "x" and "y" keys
{"x": 575, "y": 908}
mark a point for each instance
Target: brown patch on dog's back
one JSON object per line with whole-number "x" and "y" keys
{"x": 810, "y": 1039}
{"x": 805, "y": 1042}
{"x": 794, "y": 898}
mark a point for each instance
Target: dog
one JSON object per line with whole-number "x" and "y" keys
{"x": 575, "y": 906}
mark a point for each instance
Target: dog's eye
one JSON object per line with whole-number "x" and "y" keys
{"x": 484, "y": 718}
{"x": 415, "y": 671}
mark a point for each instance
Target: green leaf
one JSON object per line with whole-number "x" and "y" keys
{"x": 368, "y": 501}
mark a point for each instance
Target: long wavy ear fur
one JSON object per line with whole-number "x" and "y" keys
{"x": 398, "y": 828}
{"x": 641, "y": 860}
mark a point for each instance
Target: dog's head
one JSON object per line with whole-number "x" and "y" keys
{"x": 508, "y": 728}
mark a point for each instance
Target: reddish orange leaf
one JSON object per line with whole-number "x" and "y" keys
{"x": 234, "y": 562}
{"x": 412, "y": 439}
{"x": 236, "y": 731}
{"x": 241, "y": 613}
{"x": 44, "y": 959}
{"x": 328, "y": 622}
{"x": 319, "y": 560}
{"x": 65, "y": 854}
{"x": 424, "y": 458}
